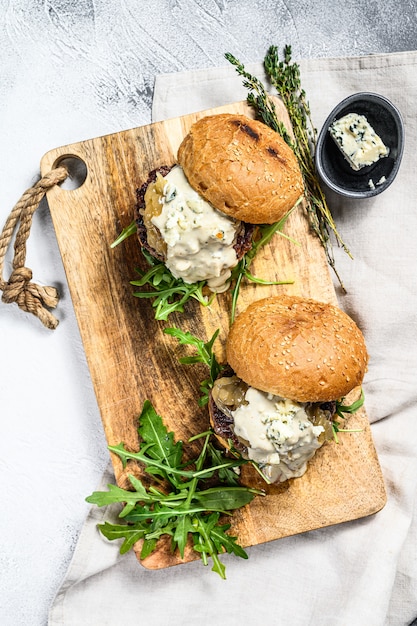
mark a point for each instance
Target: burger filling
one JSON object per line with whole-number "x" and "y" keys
{"x": 280, "y": 435}
{"x": 194, "y": 238}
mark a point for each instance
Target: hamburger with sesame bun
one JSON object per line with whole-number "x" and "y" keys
{"x": 289, "y": 361}
{"x": 199, "y": 215}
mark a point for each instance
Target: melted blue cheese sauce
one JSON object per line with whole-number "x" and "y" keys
{"x": 199, "y": 238}
{"x": 357, "y": 140}
{"x": 278, "y": 434}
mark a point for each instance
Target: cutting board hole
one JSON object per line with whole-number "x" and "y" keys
{"x": 77, "y": 172}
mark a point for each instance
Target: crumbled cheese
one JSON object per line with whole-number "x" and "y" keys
{"x": 357, "y": 140}
{"x": 381, "y": 181}
{"x": 199, "y": 238}
{"x": 278, "y": 434}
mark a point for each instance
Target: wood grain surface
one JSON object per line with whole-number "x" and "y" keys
{"x": 131, "y": 359}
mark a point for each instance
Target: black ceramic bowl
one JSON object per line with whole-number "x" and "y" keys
{"x": 335, "y": 170}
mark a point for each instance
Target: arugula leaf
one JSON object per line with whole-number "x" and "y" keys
{"x": 227, "y": 499}
{"x": 130, "y": 534}
{"x": 351, "y": 408}
{"x": 265, "y": 234}
{"x": 220, "y": 538}
{"x": 117, "y": 494}
{"x": 213, "y": 540}
{"x": 148, "y": 547}
{"x": 126, "y": 232}
{"x": 169, "y": 293}
{"x": 226, "y": 474}
{"x": 341, "y": 409}
{"x": 186, "y": 509}
{"x": 204, "y": 354}
{"x": 153, "y": 432}
{"x": 182, "y": 530}
{"x": 125, "y": 455}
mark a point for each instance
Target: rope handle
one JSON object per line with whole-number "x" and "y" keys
{"x": 29, "y": 296}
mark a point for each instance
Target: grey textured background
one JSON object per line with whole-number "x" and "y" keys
{"x": 69, "y": 71}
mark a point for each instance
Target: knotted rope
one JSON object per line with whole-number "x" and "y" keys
{"x": 18, "y": 288}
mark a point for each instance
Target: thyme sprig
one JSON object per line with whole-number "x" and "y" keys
{"x": 285, "y": 78}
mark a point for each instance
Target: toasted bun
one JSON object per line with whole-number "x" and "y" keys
{"x": 242, "y": 167}
{"x": 297, "y": 348}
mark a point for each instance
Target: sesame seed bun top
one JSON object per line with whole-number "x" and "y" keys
{"x": 297, "y": 348}
{"x": 242, "y": 167}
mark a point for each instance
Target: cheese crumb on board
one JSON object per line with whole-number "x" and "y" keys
{"x": 357, "y": 140}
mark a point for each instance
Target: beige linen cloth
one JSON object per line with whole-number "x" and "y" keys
{"x": 361, "y": 573}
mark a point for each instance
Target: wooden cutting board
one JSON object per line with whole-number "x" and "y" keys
{"x": 131, "y": 359}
